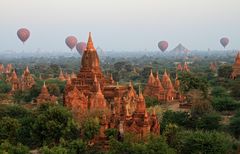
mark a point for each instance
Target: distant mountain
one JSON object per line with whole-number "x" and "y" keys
{"x": 180, "y": 49}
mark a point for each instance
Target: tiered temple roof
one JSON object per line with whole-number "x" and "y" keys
{"x": 45, "y": 97}
{"x": 27, "y": 80}
{"x": 163, "y": 91}
{"x": 90, "y": 89}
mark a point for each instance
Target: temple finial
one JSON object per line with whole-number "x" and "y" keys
{"x": 151, "y": 73}
{"x": 27, "y": 69}
{"x": 90, "y": 42}
{"x": 140, "y": 92}
{"x": 44, "y": 84}
{"x": 157, "y": 76}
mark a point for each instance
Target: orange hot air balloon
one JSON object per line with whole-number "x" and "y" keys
{"x": 163, "y": 45}
{"x": 23, "y": 34}
{"x": 71, "y": 41}
{"x": 224, "y": 41}
{"x": 81, "y": 46}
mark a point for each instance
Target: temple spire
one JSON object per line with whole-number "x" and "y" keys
{"x": 151, "y": 73}
{"x": 27, "y": 69}
{"x": 44, "y": 84}
{"x": 157, "y": 76}
{"x": 140, "y": 93}
{"x": 165, "y": 72}
{"x": 90, "y": 45}
{"x": 14, "y": 75}
{"x": 151, "y": 78}
{"x": 237, "y": 60}
{"x": 99, "y": 91}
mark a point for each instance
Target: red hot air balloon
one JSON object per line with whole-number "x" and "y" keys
{"x": 163, "y": 45}
{"x": 71, "y": 41}
{"x": 23, "y": 34}
{"x": 81, "y": 46}
{"x": 224, "y": 41}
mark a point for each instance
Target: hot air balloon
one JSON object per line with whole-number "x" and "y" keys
{"x": 81, "y": 46}
{"x": 23, "y": 34}
{"x": 224, "y": 41}
{"x": 163, "y": 45}
{"x": 71, "y": 41}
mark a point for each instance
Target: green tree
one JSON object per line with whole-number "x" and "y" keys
{"x": 77, "y": 146}
{"x": 14, "y": 111}
{"x": 158, "y": 145}
{"x": 171, "y": 117}
{"x": 151, "y": 146}
{"x": 225, "y": 104}
{"x": 53, "y": 89}
{"x": 235, "y": 92}
{"x": 219, "y": 92}
{"x": 90, "y": 128}
{"x": 6, "y": 148}
{"x": 54, "y": 123}
{"x": 200, "y": 107}
{"x": 111, "y": 132}
{"x": 25, "y": 132}
{"x": 204, "y": 142}
{"x": 151, "y": 101}
{"x": 119, "y": 65}
{"x": 210, "y": 121}
{"x": 170, "y": 133}
{"x": 234, "y": 125}
{"x": 8, "y": 129}
{"x": 54, "y": 150}
{"x": 190, "y": 81}
{"x": 225, "y": 71}
{"x": 4, "y": 87}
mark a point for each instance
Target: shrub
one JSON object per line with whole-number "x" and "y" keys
{"x": 204, "y": 142}
{"x": 179, "y": 118}
{"x": 225, "y": 104}
{"x": 6, "y": 147}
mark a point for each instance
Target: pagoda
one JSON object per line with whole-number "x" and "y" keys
{"x": 140, "y": 122}
{"x": 90, "y": 81}
{"x": 213, "y": 67}
{"x": 162, "y": 90}
{"x": 90, "y": 90}
{"x": 8, "y": 68}
{"x": 45, "y": 97}
{"x": 73, "y": 75}
{"x": 14, "y": 81}
{"x": 27, "y": 80}
{"x": 185, "y": 67}
{"x": 236, "y": 67}
{"x": 61, "y": 76}
{"x": 179, "y": 67}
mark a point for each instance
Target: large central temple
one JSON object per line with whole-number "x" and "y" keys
{"x": 92, "y": 90}
{"x": 91, "y": 82}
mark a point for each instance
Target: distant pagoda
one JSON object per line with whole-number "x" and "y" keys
{"x": 162, "y": 90}
{"x": 236, "y": 67}
{"x": 27, "y": 81}
{"x": 45, "y": 97}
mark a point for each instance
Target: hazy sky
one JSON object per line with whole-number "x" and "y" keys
{"x": 120, "y": 24}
